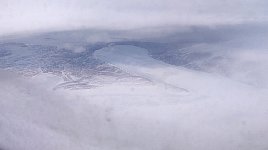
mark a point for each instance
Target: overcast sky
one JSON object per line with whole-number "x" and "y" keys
{"x": 35, "y": 15}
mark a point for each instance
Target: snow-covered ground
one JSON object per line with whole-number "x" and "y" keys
{"x": 222, "y": 113}
{"x": 61, "y": 92}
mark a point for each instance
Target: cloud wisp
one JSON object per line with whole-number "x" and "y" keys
{"x": 46, "y": 15}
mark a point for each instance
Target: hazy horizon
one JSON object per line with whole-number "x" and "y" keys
{"x": 18, "y": 16}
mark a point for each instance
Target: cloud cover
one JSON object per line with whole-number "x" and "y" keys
{"x": 44, "y": 15}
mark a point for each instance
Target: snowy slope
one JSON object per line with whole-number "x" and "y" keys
{"x": 136, "y": 60}
{"x": 221, "y": 113}
{"x": 124, "y": 98}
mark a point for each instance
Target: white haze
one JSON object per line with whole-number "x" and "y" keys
{"x": 222, "y": 105}
{"x": 47, "y": 15}
{"x": 182, "y": 108}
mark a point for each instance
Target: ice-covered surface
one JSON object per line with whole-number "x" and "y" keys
{"x": 222, "y": 113}
{"x": 191, "y": 91}
{"x": 78, "y": 70}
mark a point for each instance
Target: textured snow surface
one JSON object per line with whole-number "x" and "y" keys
{"x": 178, "y": 109}
{"x": 195, "y": 89}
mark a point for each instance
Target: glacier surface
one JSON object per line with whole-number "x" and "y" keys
{"x": 80, "y": 90}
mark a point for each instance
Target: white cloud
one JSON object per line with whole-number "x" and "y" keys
{"x": 30, "y": 15}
